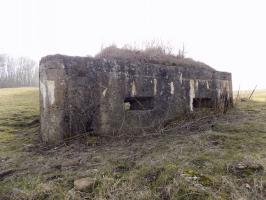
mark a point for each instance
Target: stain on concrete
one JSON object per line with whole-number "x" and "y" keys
{"x": 172, "y": 88}
{"x": 43, "y": 94}
{"x": 191, "y": 93}
{"x": 50, "y": 91}
{"x": 104, "y": 92}
{"x": 133, "y": 89}
{"x": 181, "y": 78}
{"x": 154, "y": 86}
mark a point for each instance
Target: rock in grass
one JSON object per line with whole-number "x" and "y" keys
{"x": 246, "y": 168}
{"x": 84, "y": 184}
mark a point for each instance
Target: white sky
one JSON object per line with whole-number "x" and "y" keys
{"x": 229, "y": 35}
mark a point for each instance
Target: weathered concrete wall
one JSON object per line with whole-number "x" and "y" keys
{"x": 82, "y": 94}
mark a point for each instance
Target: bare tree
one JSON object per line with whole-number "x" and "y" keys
{"x": 18, "y": 72}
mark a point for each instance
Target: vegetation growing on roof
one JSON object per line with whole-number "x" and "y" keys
{"x": 152, "y": 53}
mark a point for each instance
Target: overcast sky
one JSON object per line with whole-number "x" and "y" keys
{"x": 229, "y": 35}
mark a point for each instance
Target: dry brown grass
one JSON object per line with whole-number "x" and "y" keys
{"x": 156, "y": 54}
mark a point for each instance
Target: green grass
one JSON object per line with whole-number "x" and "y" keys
{"x": 195, "y": 165}
{"x": 18, "y": 109}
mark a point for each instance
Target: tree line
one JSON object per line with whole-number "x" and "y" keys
{"x": 18, "y": 72}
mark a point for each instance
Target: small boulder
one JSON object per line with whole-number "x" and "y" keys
{"x": 246, "y": 168}
{"x": 84, "y": 184}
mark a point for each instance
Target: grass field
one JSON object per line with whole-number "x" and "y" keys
{"x": 213, "y": 157}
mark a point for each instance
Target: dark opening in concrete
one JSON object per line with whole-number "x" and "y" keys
{"x": 139, "y": 103}
{"x": 202, "y": 103}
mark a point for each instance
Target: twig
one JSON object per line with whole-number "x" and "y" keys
{"x": 252, "y": 92}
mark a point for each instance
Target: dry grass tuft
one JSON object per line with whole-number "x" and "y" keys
{"x": 152, "y": 53}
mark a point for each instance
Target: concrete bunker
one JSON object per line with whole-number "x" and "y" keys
{"x": 107, "y": 96}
